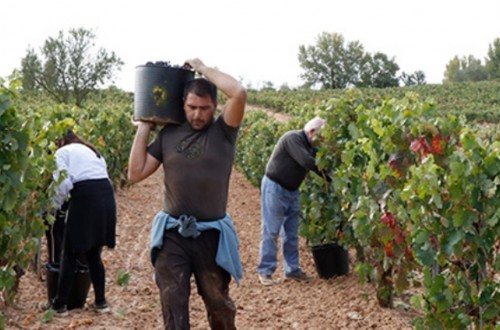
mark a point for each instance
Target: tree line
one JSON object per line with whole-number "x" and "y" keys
{"x": 469, "y": 68}
{"x": 68, "y": 67}
{"x": 335, "y": 63}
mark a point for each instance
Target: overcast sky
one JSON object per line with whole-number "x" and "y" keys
{"x": 255, "y": 40}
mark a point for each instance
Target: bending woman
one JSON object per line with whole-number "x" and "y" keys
{"x": 91, "y": 216}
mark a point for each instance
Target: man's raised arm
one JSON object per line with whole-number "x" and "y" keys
{"x": 235, "y": 92}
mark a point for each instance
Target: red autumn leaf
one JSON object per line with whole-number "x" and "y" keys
{"x": 400, "y": 238}
{"x": 389, "y": 250}
{"x": 421, "y": 146}
{"x": 416, "y": 145}
{"x": 408, "y": 252}
{"x": 437, "y": 145}
{"x": 388, "y": 219}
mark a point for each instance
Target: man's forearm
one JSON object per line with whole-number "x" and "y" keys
{"x": 227, "y": 84}
{"x": 138, "y": 153}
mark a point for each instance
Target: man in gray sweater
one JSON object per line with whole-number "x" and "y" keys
{"x": 293, "y": 157}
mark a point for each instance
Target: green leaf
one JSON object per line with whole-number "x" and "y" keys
{"x": 492, "y": 165}
{"x": 422, "y": 237}
{"x": 416, "y": 300}
{"x": 123, "y": 278}
{"x": 440, "y": 293}
{"x": 48, "y": 316}
{"x": 491, "y": 312}
{"x": 353, "y": 131}
{"x": 377, "y": 128}
{"x": 492, "y": 222}
{"x": 426, "y": 255}
{"x": 436, "y": 200}
{"x": 9, "y": 202}
{"x": 458, "y": 218}
{"x": 453, "y": 239}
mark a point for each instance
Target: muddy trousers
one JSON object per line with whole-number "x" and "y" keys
{"x": 178, "y": 259}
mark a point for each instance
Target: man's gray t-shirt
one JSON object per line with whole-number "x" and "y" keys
{"x": 197, "y": 166}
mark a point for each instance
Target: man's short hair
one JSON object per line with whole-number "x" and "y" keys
{"x": 314, "y": 124}
{"x": 201, "y": 87}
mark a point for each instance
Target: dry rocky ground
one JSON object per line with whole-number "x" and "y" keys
{"x": 338, "y": 303}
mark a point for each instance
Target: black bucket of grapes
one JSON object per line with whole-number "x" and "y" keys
{"x": 79, "y": 287}
{"x": 330, "y": 260}
{"x": 159, "y": 88}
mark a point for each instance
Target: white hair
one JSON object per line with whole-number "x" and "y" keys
{"x": 314, "y": 124}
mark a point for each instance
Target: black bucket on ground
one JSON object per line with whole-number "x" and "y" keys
{"x": 330, "y": 260}
{"x": 79, "y": 289}
{"x": 158, "y": 93}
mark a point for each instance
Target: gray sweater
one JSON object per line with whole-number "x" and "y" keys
{"x": 292, "y": 157}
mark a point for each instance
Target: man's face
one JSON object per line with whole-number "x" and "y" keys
{"x": 315, "y": 137}
{"x": 199, "y": 111}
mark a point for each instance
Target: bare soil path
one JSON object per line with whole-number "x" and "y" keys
{"x": 339, "y": 303}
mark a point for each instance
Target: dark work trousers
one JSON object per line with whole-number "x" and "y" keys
{"x": 176, "y": 261}
{"x": 67, "y": 270}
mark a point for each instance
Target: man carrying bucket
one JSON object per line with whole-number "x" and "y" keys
{"x": 193, "y": 234}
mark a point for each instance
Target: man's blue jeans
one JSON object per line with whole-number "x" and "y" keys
{"x": 280, "y": 216}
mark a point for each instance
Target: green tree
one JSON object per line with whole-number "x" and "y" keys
{"x": 493, "y": 60}
{"x": 415, "y": 78}
{"x": 68, "y": 67}
{"x": 475, "y": 70}
{"x": 268, "y": 85}
{"x": 379, "y": 71}
{"x": 465, "y": 69}
{"x": 420, "y": 78}
{"x": 331, "y": 63}
{"x": 453, "y": 71}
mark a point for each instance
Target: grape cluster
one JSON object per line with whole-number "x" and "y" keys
{"x": 165, "y": 64}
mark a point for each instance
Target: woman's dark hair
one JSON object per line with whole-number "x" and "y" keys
{"x": 70, "y": 137}
{"x": 201, "y": 87}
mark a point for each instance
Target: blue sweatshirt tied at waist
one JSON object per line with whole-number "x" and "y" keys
{"x": 228, "y": 256}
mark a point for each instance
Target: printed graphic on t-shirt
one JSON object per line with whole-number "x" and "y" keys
{"x": 189, "y": 148}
